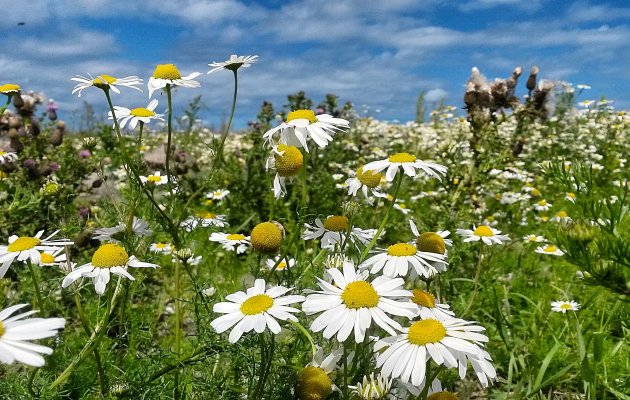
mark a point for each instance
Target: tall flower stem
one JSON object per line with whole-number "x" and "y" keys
{"x": 178, "y": 326}
{"x": 303, "y": 179}
{"x": 140, "y": 135}
{"x": 38, "y": 293}
{"x": 169, "y": 124}
{"x": 218, "y": 157}
{"x": 97, "y": 357}
{"x": 365, "y": 251}
{"x": 111, "y": 109}
{"x": 477, "y": 276}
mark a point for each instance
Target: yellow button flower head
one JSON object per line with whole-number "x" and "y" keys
{"x": 267, "y": 237}
{"x": 105, "y": 82}
{"x": 168, "y": 74}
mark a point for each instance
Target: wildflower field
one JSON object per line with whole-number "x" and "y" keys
{"x": 318, "y": 254}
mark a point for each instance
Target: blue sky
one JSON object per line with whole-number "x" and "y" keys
{"x": 377, "y": 53}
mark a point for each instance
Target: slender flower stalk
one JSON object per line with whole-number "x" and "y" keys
{"x": 218, "y": 158}
{"x": 169, "y": 138}
{"x": 38, "y": 293}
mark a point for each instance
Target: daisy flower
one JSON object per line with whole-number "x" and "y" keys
{"x": 205, "y": 219}
{"x": 282, "y": 265}
{"x": 353, "y": 303}
{"x": 304, "y": 124}
{"x": 451, "y": 343}
{"x": 133, "y": 116}
{"x": 367, "y": 181}
{"x": 432, "y": 242}
{"x": 156, "y": 179}
{"x": 288, "y": 162}
{"x": 56, "y": 257}
{"x": 160, "y": 248}
{"x": 561, "y": 217}
{"x": 396, "y": 260}
{"x": 428, "y": 308}
{"x": 233, "y": 63}
{"x": 257, "y": 309}
{"x": 549, "y": 250}
{"x": 564, "y": 306}
{"x": 334, "y": 230}
{"x": 105, "y": 82}
{"x": 486, "y": 234}
{"x": 9, "y": 89}
{"x": 7, "y": 157}
{"x": 26, "y": 248}
{"x": 313, "y": 381}
{"x": 570, "y": 196}
{"x": 409, "y": 164}
{"x": 108, "y": 259}
{"x": 231, "y": 241}
{"x": 542, "y": 205}
{"x": 534, "y": 238}
{"x": 372, "y": 388}
{"x": 218, "y": 194}
{"x": 139, "y": 227}
{"x": 168, "y": 74}
{"x": 16, "y": 331}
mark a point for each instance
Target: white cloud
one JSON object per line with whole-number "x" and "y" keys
{"x": 435, "y": 95}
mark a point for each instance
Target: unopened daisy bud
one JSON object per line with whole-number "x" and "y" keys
{"x": 431, "y": 242}
{"x": 184, "y": 253}
{"x": 313, "y": 383}
{"x": 119, "y": 388}
{"x": 374, "y": 388}
{"x": 580, "y": 232}
{"x": 266, "y": 237}
{"x": 50, "y": 188}
{"x": 290, "y": 162}
{"x": 531, "y": 81}
{"x": 351, "y": 208}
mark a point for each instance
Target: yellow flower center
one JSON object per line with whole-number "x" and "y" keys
{"x": 2, "y": 153}
{"x": 302, "y": 114}
{"x": 359, "y": 294}
{"x": 562, "y": 214}
{"x": 290, "y": 162}
{"x": 160, "y": 245}
{"x": 542, "y": 202}
{"x": 368, "y": 178}
{"x": 110, "y": 255}
{"x": 256, "y": 304}
{"x": 536, "y": 193}
{"x": 483, "y": 230}
{"x": 235, "y": 236}
{"x": 103, "y": 81}
{"x": 401, "y": 250}
{"x": 313, "y": 383}
{"x": 281, "y": 266}
{"x": 443, "y": 396}
{"x": 422, "y": 298}
{"x": 267, "y": 237}
{"x": 206, "y": 215}
{"x": 47, "y": 258}
{"x": 571, "y": 195}
{"x": 551, "y": 249}
{"x": 336, "y": 223}
{"x": 566, "y": 306}
{"x": 50, "y": 188}
{"x": 9, "y": 87}
{"x": 23, "y": 243}
{"x": 426, "y": 331}
{"x": 431, "y": 242}
{"x": 402, "y": 158}
{"x": 167, "y": 71}
{"x": 142, "y": 112}
{"x": 154, "y": 178}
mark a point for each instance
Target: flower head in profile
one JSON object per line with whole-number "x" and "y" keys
{"x": 9, "y": 89}
{"x": 428, "y": 308}
{"x": 549, "y": 250}
{"x": 313, "y": 381}
{"x": 17, "y": 331}
{"x": 409, "y": 163}
{"x": 139, "y": 227}
{"x": 257, "y": 309}
{"x": 231, "y": 241}
{"x": 533, "y": 238}
{"x": 399, "y": 258}
{"x": 108, "y": 259}
{"x": 105, "y": 82}
{"x": 282, "y": 264}
{"x": 302, "y": 125}
{"x": 334, "y": 229}
{"x": 57, "y": 258}
{"x": 288, "y": 162}
{"x": 161, "y": 248}
{"x": 484, "y": 233}
{"x": 204, "y": 219}
{"x": 26, "y": 248}
{"x": 135, "y": 115}
{"x": 233, "y": 63}
{"x": 373, "y": 388}
{"x": 564, "y": 306}
{"x": 218, "y": 194}
{"x": 353, "y": 303}
{"x": 168, "y": 74}
{"x": 367, "y": 181}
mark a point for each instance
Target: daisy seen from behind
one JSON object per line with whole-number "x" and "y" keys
{"x": 351, "y": 303}
{"x": 564, "y": 306}
{"x": 136, "y": 115}
{"x": 27, "y": 249}
{"x": 108, "y": 259}
{"x": 409, "y": 163}
{"x": 168, "y": 75}
{"x": 256, "y": 309}
{"x": 233, "y": 63}
{"x": 105, "y": 83}
{"x": 484, "y": 233}
{"x": 17, "y": 331}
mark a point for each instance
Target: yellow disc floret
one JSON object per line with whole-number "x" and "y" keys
{"x": 336, "y": 223}
{"x": 402, "y": 158}
{"x": 290, "y": 162}
{"x": 562, "y": 214}
{"x": 369, "y": 178}
{"x": 443, "y": 396}
{"x": 422, "y": 298}
{"x": 1, "y": 329}
{"x": 103, "y": 81}
{"x": 142, "y": 112}
{"x": 302, "y": 114}
{"x": 431, "y": 242}
{"x": 235, "y": 236}
{"x": 313, "y": 383}
{"x": 110, "y": 255}
{"x": 483, "y": 230}
{"x": 401, "y": 250}
{"x": 47, "y": 258}
{"x": 551, "y": 249}
{"x": 566, "y": 306}
{"x": 206, "y": 215}
{"x": 267, "y": 237}
{"x": 154, "y": 179}
{"x": 256, "y": 304}
{"x": 9, "y": 88}
{"x": 426, "y": 331}
{"x": 23, "y": 243}
{"x": 167, "y": 71}
{"x": 359, "y": 294}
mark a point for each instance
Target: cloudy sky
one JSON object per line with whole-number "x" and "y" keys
{"x": 375, "y": 53}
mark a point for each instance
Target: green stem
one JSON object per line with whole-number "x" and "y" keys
{"x": 38, "y": 293}
{"x": 31, "y": 380}
{"x": 4, "y": 107}
{"x": 303, "y": 330}
{"x": 111, "y": 109}
{"x": 140, "y": 135}
{"x": 365, "y": 251}
{"x": 97, "y": 357}
{"x": 264, "y": 371}
{"x": 345, "y": 372}
{"x": 218, "y": 158}
{"x": 303, "y": 179}
{"x": 285, "y": 253}
{"x": 178, "y": 327}
{"x": 167, "y": 163}
{"x": 477, "y": 275}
